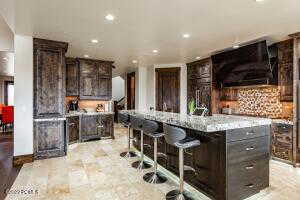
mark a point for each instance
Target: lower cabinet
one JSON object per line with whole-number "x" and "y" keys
{"x": 89, "y": 127}
{"x": 73, "y": 129}
{"x": 282, "y": 141}
{"x": 107, "y": 122}
{"x": 96, "y": 127}
{"x": 49, "y": 139}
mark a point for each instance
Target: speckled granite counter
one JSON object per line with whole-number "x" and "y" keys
{"x": 72, "y": 114}
{"x": 282, "y": 121}
{"x": 213, "y": 123}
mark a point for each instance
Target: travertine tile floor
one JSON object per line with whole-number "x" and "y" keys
{"x": 94, "y": 170}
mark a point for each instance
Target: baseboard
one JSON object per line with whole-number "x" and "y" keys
{"x": 20, "y": 160}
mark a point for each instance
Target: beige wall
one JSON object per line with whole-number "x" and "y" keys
{"x": 23, "y": 127}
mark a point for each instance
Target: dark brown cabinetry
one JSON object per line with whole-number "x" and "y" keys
{"x": 285, "y": 70}
{"x": 72, "y": 77}
{"x": 96, "y": 127}
{"x": 49, "y": 139}
{"x": 282, "y": 141}
{"x": 199, "y": 82}
{"x": 49, "y": 98}
{"x": 73, "y": 129}
{"x": 95, "y": 80}
{"x": 108, "y": 126}
{"x": 49, "y": 78}
{"x": 229, "y": 165}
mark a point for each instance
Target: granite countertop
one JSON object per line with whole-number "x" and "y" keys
{"x": 72, "y": 114}
{"x": 282, "y": 121}
{"x": 217, "y": 122}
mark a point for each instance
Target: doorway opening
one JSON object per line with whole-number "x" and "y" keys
{"x": 167, "y": 89}
{"x": 131, "y": 91}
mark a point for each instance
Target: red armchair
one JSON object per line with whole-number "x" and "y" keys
{"x": 7, "y": 116}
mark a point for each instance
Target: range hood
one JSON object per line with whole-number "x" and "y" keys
{"x": 248, "y": 66}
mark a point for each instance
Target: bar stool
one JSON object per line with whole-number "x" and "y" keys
{"x": 137, "y": 124}
{"x": 177, "y": 137}
{"x": 125, "y": 121}
{"x": 152, "y": 129}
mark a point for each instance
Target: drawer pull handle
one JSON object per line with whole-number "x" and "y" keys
{"x": 249, "y": 133}
{"x": 249, "y": 148}
{"x": 71, "y": 124}
{"x": 249, "y": 167}
{"x": 250, "y": 186}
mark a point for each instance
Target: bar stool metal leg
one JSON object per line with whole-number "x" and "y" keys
{"x": 179, "y": 194}
{"x": 128, "y": 153}
{"x": 141, "y": 164}
{"x": 155, "y": 177}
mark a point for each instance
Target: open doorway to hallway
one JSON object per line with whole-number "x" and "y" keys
{"x": 8, "y": 173}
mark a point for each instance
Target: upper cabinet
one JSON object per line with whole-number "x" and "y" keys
{"x": 199, "y": 83}
{"x": 95, "y": 79}
{"x": 285, "y": 70}
{"x": 49, "y": 78}
{"x": 72, "y": 77}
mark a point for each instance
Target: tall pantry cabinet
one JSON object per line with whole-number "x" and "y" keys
{"x": 49, "y": 98}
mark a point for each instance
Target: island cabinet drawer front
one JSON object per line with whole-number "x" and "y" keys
{"x": 247, "y": 149}
{"x": 247, "y": 133}
{"x": 249, "y": 170}
{"x": 246, "y": 188}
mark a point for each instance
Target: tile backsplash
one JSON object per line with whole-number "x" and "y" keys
{"x": 263, "y": 102}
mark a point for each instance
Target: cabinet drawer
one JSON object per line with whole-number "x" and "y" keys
{"x": 248, "y": 170}
{"x": 248, "y": 149}
{"x": 247, "y": 133}
{"x": 246, "y": 188}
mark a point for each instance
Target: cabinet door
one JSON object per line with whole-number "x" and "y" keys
{"x": 49, "y": 82}
{"x": 286, "y": 81}
{"x": 89, "y": 128}
{"x": 107, "y": 121}
{"x": 72, "y": 78}
{"x": 49, "y": 139}
{"x": 105, "y": 88}
{"x": 105, "y": 69}
{"x": 73, "y": 129}
{"x": 88, "y": 80}
{"x": 204, "y": 94}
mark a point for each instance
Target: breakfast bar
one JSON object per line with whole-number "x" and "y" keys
{"x": 232, "y": 161}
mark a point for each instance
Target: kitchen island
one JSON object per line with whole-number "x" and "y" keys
{"x": 232, "y": 161}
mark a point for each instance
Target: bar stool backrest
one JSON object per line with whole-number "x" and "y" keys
{"x": 173, "y": 134}
{"x": 123, "y": 118}
{"x": 150, "y": 126}
{"x": 136, "y": 122}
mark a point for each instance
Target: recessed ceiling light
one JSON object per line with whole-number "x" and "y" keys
{"x": 134, "y": 61}
{"x": 109, "y": 17}
{"x": 186, "y": 35}
{"x": 236, "y": 46}
{"x": 86, "y": 56}
{"x": 259, "y": 0}
{"x": 155, "y": 51}
{"x": 94, "y": 41}
{"x": 198, "y": 57}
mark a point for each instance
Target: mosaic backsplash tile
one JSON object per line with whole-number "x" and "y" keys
{"x": 263, "y": 102}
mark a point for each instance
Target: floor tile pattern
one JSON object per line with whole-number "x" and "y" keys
{"x": 95, "y": 171}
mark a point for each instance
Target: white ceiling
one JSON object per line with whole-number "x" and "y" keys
{"x": 143, "y": 25}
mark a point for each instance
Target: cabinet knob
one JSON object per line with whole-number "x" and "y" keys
{"x": 250, "y": 185}
{"x": 250, "y": 133}
{"x": 249, "y": 167}
{"x": 249, "y": 148}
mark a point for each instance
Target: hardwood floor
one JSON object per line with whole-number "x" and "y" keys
{"x": 8, "y": 173}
